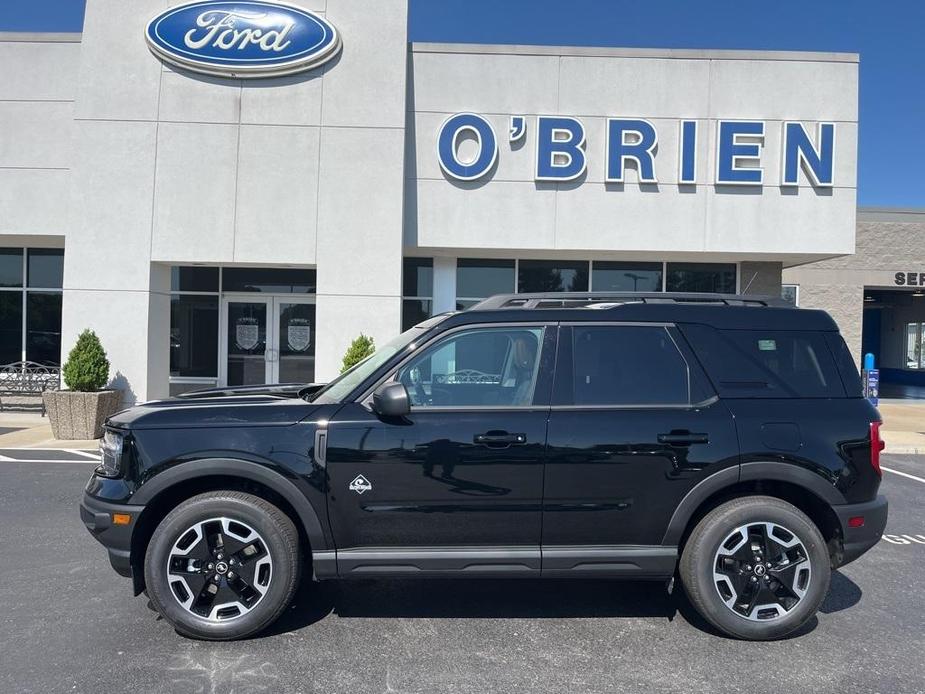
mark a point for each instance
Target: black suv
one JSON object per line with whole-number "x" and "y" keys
{"x": 636, "y": 436}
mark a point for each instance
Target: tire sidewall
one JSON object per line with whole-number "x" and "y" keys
{"x": 716, "y": 528}
{"x": 178, "y": 521}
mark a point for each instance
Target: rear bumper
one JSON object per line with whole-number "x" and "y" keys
{"x": 117, "y": 539}
{"x": 856, "y": 541}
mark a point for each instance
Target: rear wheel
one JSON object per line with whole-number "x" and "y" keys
{"x": 223, "y": 565}
{"x": 756, "y": 568}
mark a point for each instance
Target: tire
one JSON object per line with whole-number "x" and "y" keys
{"x": 721, "y": 548}
{"x": 202, "y": 542}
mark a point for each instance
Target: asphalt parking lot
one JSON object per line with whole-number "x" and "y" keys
{"x": 69, "y": 624}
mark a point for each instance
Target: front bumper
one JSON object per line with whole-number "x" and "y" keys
{"x": 96, "y": 514}
{"x": 856, "y": 541}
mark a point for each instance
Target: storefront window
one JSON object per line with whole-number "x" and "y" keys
{"x": 10, "y": 327}
{"x": 626, "y": 277}
{"x": 701, "y": 277}
{"x": 43, "y": 327}
{"x": 417, "y": 291}
{"x": 10, "y": 267}
{"x": 270, "y": 280}
{"x": 552, "y": 276}
{"x": 915, "y": 340}
{"x": 194, "y": 279}
{"x": 24, "y": 271}
{"x": 477, "y": 279}
{"x": 194, "y": 336}
{"x": 45, "y": 268}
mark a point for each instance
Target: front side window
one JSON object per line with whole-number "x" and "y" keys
{"x": 627, "y": 365}
{"x": 481, "y": 367}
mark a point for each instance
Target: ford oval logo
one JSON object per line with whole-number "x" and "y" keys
{"x": 248, "y": 38}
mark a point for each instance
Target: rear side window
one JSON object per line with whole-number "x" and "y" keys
{"x": 627, "y": 365}
{"x": 847, "y": 369}
{"x": 766, "y": 363}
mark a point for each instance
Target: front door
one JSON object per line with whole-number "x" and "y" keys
{"x": 267, "y": 339}
{"x": 457, "y": 484}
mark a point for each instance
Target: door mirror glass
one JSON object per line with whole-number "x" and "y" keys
{"x": 391, "y": 400}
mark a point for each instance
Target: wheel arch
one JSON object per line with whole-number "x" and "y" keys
{"x": 806, "y": 490}
{"x": 164, "y": 492}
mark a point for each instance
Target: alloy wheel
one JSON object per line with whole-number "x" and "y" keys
{"x": 219, "y": 569}
{"x": 761, "y": 571}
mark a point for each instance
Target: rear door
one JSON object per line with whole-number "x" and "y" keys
{"x": 633, "y": 427}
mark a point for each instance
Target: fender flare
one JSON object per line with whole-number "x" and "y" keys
{"x": 774, "y": 471}
{"x": 244, "y": 469}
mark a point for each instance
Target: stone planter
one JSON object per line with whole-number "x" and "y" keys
{"x": 76, "y": 415}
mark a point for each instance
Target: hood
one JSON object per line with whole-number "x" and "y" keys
{"x": 212, "y": 409}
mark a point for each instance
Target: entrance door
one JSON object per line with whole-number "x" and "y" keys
{"x": 267, "y": 339}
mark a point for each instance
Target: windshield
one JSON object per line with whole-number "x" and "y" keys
{"x": 341, "y": 386}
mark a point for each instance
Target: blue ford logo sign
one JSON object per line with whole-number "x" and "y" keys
{"x": 248, "y": 38}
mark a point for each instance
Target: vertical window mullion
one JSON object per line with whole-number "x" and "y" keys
{"x": 25, "y": 284}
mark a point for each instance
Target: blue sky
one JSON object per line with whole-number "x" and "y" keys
{"x": 889, "y": 37}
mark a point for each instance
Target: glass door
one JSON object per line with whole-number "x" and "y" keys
{"x": 293, "y": 354}
{"x": 267, "y": 339}
{"x": 245, "y": 341}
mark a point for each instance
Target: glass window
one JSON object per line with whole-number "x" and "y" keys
{"x": 46, "y": 268}
{"x": 10, "y": 326}
{"x": 10, "y": 267}
{"x": 701, "y": 277}
{"x": 272, "y": 280}
{"x": 769, "y": 364}
{"x": 481, "y": 278}
{"x": 626, "y": 277}
{"x": 790, "y": 293}
{"x": 552, "y": 276}
{"x": 193, "y": 279}
{"x": 483, "y": 367}
{"x": 414, "y": 311}
{"x": 297, "y": 336}
{"x": 194, "y": 336}
{"x": 418, "y": 277}
{"x": 43, "y": 327}
{"x": 915, "y": 337}
{"x": 627, "y": 365}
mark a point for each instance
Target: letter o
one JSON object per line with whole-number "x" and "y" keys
{"x": 448, "y": 139}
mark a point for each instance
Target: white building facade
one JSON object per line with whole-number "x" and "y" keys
{"x": 223, "y": 230}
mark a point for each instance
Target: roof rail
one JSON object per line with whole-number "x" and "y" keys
{"x": 603, "y": 300}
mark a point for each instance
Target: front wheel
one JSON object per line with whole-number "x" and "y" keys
{"x": 223, "y": 565}
{"x": 756, "y": 568}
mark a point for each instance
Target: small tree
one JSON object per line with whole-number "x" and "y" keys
{"x": 359, "y": 349}
{"x": 87, "y": 368}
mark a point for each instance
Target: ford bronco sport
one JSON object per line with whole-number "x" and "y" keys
{"x": 723, "y": 439}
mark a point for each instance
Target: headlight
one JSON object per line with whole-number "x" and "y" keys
{"x": 110, "y": 454}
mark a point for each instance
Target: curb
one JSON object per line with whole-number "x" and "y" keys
{"x": 904, "y": 450}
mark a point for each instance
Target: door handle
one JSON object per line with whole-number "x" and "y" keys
{"x": 683, "y": 438}
{"x": 499, "y": 439}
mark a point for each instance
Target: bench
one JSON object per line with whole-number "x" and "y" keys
{"x": 28, "y": 378}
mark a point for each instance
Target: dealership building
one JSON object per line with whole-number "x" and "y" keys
{"x": 217, "y": 224}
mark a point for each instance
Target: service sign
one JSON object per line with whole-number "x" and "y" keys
{"x": 248, "y": 38}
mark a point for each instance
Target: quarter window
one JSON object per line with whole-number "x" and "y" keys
{"x": 483, "y": 367}
{"x": 627, "y": 365}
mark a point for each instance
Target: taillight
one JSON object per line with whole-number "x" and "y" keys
{"x": 876, "y": 445}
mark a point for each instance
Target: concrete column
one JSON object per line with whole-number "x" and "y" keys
{"x": 444, "y": 285}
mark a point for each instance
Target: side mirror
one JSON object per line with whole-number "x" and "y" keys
{"x": 391, "y": 400}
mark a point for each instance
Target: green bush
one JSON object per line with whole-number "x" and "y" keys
{"x": 359, "y": 349}
{"x": 87, "y": 368}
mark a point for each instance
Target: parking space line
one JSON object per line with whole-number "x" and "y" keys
{"x": 904, "y": 474}
{"x": 91, "y": 456}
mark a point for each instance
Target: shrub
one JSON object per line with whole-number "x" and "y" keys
{"x": 359, "y": 349}
{"x": 87, "y": 368}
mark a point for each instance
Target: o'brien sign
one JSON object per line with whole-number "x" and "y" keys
{"x": 560, "y": 152}
{"x": 249, "y": 38}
